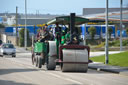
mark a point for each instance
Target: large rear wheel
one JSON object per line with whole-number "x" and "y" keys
{"x": 40, "y": 61}
{"x": 33, "y": 59}
{"x": 36, "y": 60}
{"x": 2, "y": 55}
{"x": 13, "y": 55}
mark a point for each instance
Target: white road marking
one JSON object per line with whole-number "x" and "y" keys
{"x": 68, "y": 79}
{"x": 55, "y": 75}
{"x": 74, "y": 81}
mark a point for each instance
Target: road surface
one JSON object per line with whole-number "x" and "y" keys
{"x": 19, "y": 71}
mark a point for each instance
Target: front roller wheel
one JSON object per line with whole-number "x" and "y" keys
{"x": 51, "y": 64}
{"x": 74, "y": 67}
{"x": 13, "y": 55}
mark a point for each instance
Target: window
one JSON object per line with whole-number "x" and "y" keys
{"x": 8, "y": 46}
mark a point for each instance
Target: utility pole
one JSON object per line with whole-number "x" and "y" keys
{"x": 33, "y": 37}
{"x": 121, "y": 2}
{"x": 16, "y": 26}
{"x": 106, "y": 44}
{"x": 25, "y": 34}
{"x": 85, "y": 36}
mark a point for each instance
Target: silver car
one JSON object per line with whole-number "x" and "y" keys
{"x": 7, "y": 49}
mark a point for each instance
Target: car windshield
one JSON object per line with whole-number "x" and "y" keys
{"x": 8, "y": 46}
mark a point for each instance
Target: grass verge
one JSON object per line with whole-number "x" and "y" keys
{"x": 119, "y": 59}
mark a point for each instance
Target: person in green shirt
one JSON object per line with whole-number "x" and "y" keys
{"x": 63, "y": 38}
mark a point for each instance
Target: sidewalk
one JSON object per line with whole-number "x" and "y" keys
{"x": 94, "y": 54}
{"x": 22, "y": 50}
{"x": 114, "y": 69}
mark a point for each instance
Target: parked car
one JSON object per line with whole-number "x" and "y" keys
{"x": 8, "y": 49}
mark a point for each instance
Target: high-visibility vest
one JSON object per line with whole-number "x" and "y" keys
{"x": 62, "y": 39}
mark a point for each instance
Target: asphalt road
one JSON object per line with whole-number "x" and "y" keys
{"x": 19, "y": 71}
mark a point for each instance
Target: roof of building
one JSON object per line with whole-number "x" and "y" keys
{"x": 90, "y": 11}
{"x": 99, "y": 14}
{"x": 32, "y": 21}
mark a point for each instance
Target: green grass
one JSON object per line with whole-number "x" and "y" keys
{"x": 119, "y": 59}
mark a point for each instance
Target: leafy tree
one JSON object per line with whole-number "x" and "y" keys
{"x": 2, "y": 26}
{"x": 127, "y": 31}
{"x": 21, "y": 35}
{"x": 110, "y": 31}
{"x": 92, "y": 32}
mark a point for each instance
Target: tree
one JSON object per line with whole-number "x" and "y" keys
{"x": 92, "y": 32}
{"x": 127, "y": 31}
{"x": 21, "y": 35}
{"x": 110, "y": 31}
{"x": 2, "y": 26}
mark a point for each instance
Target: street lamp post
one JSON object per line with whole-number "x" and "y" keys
{"x": 121, "y": 25}
{"x": 106, "y": 44}
{"x": 16, "y": 27}
{"x": 85, "y": 36}
{"x": 25, "y": 31}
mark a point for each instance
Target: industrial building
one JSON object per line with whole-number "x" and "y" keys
{"x": 114, "y": 15}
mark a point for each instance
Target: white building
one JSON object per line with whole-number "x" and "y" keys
{"x": 11, "y": 20}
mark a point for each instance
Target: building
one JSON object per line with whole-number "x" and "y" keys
{"x": 10, "y": 20}
{"x": 114, "y": 15}
{"x": 32, "y": 19}
{"x": 94, "y": 11}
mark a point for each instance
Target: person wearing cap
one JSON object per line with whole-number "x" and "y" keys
{"x": 63, "y": 40}
{"x": 51, "y": 33}
{"x": 58, "y": 32}
{"x": 44, "y": 34}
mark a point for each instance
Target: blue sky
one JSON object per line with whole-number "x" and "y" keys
{"x": 56, "y": 6}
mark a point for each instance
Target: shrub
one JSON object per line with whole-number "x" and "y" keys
{"x": 127, "y": 31}
{"x": 125, "y": 43}
{"x": 110, "y": 31}
{"x": 21, "y": 40}
{"x": 2, "y": 26}
{"x": 92, "y": 32}
{"x": 100, "y": 45}
{"x": 115, "y": 43}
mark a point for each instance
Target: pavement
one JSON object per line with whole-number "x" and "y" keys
{"x": 22, "y": 50}
{"x": 114, "y": 69}
{"x": 99, "y": 66}
{"x": 19, "y": 71}
{"x": 94, "y": 54}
